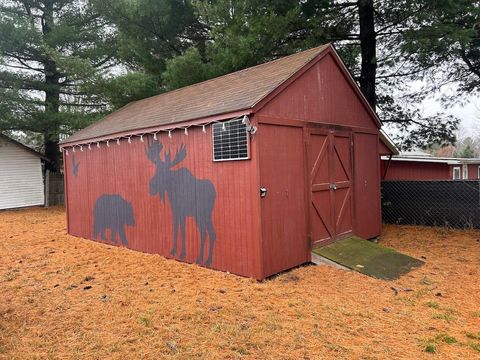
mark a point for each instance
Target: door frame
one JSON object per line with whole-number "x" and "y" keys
{"x": 329, "y": 130}
{"x": 308, "y": 189}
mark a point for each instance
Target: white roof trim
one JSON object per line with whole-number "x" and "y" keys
{"x": 388, "y": 142}
{"x": 432, "y": 159}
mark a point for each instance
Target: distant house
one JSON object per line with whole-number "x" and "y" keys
{"x": 446, "y": 151}
{"x": 21, "y": 176}
{"x": 418, "y": 165}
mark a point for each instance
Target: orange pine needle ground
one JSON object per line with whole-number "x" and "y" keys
{"x": 144, "y": 306}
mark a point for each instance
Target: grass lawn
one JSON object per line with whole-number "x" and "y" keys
{"x": 65, "y": 297}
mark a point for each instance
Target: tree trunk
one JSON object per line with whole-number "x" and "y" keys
{"x": 368, "y": 46}
{"x": 52, "y": 109}
{"x": 52, "y": 97}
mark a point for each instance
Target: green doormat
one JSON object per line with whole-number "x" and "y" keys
{"x": 369, "y": 258}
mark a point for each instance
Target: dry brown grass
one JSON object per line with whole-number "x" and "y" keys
{"x": 144, "y": 306}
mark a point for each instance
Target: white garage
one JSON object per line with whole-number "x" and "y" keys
{"x": 21, "y": 176}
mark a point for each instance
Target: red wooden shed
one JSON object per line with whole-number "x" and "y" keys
{"x": 242, "y": 173}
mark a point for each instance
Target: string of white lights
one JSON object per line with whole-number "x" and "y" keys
{"x": 155, "y": 134}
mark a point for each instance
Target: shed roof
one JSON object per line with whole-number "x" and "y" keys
{"x": 225, "y": 94}
{"x": 390, "y": 145}
{"x": 23, "y": 146}
{"x": 406, "y": 156}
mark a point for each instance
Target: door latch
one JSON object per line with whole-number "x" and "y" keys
{"x": 333, "y": 186}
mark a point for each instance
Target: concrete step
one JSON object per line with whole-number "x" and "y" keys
{"x": 320, "y": 260}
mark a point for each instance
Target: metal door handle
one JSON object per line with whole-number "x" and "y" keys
{"x": 333, "y": 186}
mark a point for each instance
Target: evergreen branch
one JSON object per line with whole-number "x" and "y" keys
{"x": 22, "y": 67}
{"x": 401, "y": 20}
{"x": 24, "y": 57}
{"x": 24, "y": 63}
{"x": 469, "y": 64}
{"x": 148, "y": 30}
{"x": 13, "y": 11}
{"x": 83, "y": 105}
{"x": 396, "y": 74}
{"x": 103, "y": 62}
{"x": 86, "y": 21}
{"x": 343, "y": 5}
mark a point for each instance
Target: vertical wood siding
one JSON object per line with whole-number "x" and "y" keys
{"x": 125, "y": 170}
{"x": 323, "y": 98}
{"x": 473, "y": 172}
{"x": 323, "y": 95}
{"x": 383, "y": 149}
{"x": 284, "y": 220}
{"x": 21, "y": 179}
{"x": 415, "y": 170}
{"x": 367, "y": 186}
{"x": 255, "y": 237}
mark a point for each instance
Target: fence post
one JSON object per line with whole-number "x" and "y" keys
{"x": 47, "y": 187}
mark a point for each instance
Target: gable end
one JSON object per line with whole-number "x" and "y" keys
{"x": 324, "y": 92}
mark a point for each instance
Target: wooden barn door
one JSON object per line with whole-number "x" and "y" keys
{"x": 330, "y": 166}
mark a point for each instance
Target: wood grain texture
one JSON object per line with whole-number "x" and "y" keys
{"x": 125, "y": 170}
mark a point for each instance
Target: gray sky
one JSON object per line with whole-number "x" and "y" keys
{"x": 468, "y": 113}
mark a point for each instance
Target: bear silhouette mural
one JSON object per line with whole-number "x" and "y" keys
{"x": 188, "y": 197}
{"x": 112, "y": 212}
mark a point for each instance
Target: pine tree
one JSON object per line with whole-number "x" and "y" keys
{"x": 52, "y": 52}
{"x": 150, "y": 32}
{"x": 466, "y": 152}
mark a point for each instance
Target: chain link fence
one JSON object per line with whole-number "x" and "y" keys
{"x": 451, "y": 203}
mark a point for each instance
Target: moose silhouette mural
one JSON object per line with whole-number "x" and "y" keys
{"x": 188, "y": 197}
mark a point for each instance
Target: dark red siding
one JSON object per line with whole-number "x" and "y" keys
{"x": 324, "y": 98}
{"x": 418, "y": 170}
{"x": 254, "y": 237}
{"x": 323, "y": 95}
{"x": 415, "y": 170}
{"x": 367, "y": 191}
{"x": 282, "y": 173}
{"x": 473, "y": 172}
{"x": 125, "y": 170}
{"x": 383, "y": 149}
